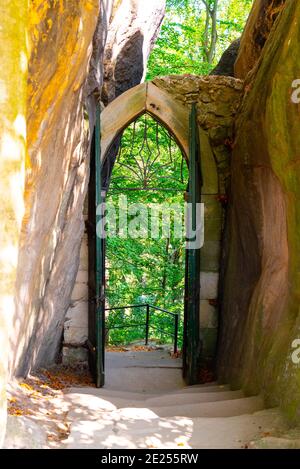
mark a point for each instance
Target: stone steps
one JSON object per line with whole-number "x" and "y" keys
{"x": 198, "y": 388}
{"x": 141, "y": 431}
{"x": 224, "y": 408}
{"x": 145, "y": 406}
{"x": 180, "y": 398}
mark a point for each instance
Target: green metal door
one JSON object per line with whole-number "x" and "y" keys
{"x": 96, "y": 243}
{"x": 192, "y": 343}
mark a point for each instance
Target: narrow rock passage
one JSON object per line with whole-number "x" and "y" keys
{"x": 145, "y": 404}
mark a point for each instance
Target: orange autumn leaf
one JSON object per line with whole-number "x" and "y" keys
{"x": 26, "y": 386}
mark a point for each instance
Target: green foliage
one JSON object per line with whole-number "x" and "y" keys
{"x": 146, "y": 270}
{"x": 179, "y": 48}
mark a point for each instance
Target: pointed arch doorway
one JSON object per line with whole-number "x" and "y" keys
{"x": 181, "y": 122}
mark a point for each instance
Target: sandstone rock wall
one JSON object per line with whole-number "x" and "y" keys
{"x": 60, "y": 35}
{"x": 13, "y": 60}
{"x": 67, "y": 41}
{"x": 260, "y": 315}
{"x": 218, "y": 100}
{"x": 260, "y": 22}
{"x": 131, "y": 36}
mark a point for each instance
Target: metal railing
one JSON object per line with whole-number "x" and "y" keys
{"x": 147, "y": 324}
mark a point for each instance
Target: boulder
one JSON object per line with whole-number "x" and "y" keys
{"x": 225, "y": 66}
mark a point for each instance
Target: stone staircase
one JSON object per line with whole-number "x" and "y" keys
{"x": 145, "y": 404}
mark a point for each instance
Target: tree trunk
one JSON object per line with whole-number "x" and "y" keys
{"x": 210, "y": 32}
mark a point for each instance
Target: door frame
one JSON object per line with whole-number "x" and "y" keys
{"x": 182, "y": 124}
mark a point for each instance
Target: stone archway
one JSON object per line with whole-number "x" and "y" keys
{"x": 138, "y": 100}
{"x": 174, "y": 115}
{"x": 169, "y": 100}
{"x": 149, "y": 98}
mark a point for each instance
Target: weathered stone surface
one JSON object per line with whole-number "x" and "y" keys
{"x": 208, "y": 316}
{"x": 225, "y": 66}
{"x": 79, "y": 292}
{"x": 209, "y": 336}
{"x": 216, "y": 96}
{"x": 208, "y": 166}
{"x": 260, "y": 313}
{"x": 82, "y": 276}
{"x": 23, "y": 433}
{"x": 13, "y": 63}
{"x": 131, "y": 36}
{"x": 209, "y": 285}
{"x": 76, "y": 318}
{"x": 132, "y": 30}
{"x": 65, "y": 76}
{"x": 260, "y": 22}
{"x": 74, "y": 355}
{"x": 218, "y": 99}
{"x": 273, "y": 442}
{"x": 57, "y": 175}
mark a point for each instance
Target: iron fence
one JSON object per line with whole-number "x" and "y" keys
{"x": 147, "y": 325}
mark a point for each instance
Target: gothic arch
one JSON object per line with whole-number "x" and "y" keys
{"x": 135, "y": 102}
{"x": 147, "y": 97}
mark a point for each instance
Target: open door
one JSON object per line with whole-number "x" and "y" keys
{"x": 96, "y": 243}
{"x": 192, "y": 343}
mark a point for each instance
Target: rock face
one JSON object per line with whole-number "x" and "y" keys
{"x": 57, "y": 174}
{"x": 260, "y": 313}
{"x": 262, "y": 17}
{"x": 65, "y": 74}
{"x": 225, "y": 66}
{"x": 13, "y": 59}
{"x": 131, "y": 36}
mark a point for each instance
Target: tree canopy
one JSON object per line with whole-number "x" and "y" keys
{"x": 194, "y": 35}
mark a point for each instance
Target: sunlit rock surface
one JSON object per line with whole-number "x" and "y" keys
{"x": 131, "y": 36}
{"x": 65, "y": 78}
{"x": 13, "y": 60}
{"x": 60, "y": 36}
{"x": 260, "y": 313}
